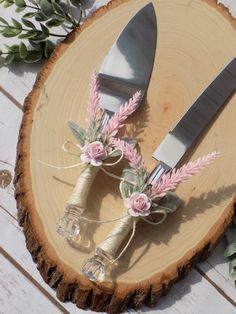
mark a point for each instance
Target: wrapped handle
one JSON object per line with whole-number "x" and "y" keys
{"x": 82, "y": 188}
{"x": 113, "y": 241}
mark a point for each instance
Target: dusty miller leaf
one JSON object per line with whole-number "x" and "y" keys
{"x": 127, "y": 188}
{"x": 77, "y": 131}
{"x": 170, "y": 203}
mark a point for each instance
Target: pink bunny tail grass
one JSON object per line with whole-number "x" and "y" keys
{"x": 130, "y": 154}
{"x": 170, "y": 180}
{"x": 93, "y": 99}
{"x": 116, "y": 121}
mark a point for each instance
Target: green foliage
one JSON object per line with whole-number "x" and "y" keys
{"x": 7, "y": 3}
{"x": 126, "y": 186}
{"x": 16, "y": 53}
{"x": 169, "y": 203}
{"x": 20, "y": 3}
{"x": 35, "y": 27}
{"x": 77, "y": 131}
{"x": 29, "y": 15}
{"x": 46, "y": 8}
{"x": 54, "y": 22}
{"x": 23, "y": 51}
{"x": 230, "y": 251}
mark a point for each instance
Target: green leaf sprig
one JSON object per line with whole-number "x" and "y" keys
{"x": 230, "y": 251}
{"x": 48, "y": 14}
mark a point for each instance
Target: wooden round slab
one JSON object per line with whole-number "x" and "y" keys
{"x": 196, "y": 39}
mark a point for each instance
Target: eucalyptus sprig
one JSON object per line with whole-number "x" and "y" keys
{"x": 46, "y": 14}
{"x": 230, "y": 251}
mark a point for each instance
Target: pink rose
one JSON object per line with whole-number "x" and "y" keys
{"x": 138, "y": 204}
{"x": 94, "y": 153}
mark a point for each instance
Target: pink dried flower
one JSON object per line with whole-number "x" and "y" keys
{"x": 116, "y": 121}
{"x": 169, "y": 181}
{"x": 94, "y": 153}
{"x": 93, "y": 99}
{"x": 138, "y": 204}
{"x": 130, "y": 154}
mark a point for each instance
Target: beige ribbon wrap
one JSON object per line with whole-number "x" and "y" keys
{"x": 113, "y": 241}
{"x": 81, "y": 190}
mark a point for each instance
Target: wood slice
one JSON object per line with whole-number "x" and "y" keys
{"x": 196, "y": 39}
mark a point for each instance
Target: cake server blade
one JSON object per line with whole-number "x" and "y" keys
{"x": 178, "y": 141}
{"x": 128, "y": 65}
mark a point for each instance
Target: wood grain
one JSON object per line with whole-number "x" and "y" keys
{"x": 172, "y": 89}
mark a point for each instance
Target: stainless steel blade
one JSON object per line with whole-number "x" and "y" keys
{"x": 128, "y": 65}
{"x": 196, "y": 119}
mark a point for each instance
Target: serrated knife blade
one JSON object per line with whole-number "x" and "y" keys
{"x": 128, "y": 65}
{"x": 178, "y": 141}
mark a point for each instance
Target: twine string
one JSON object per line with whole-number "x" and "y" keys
{"x": 103, "y": 221}
{"x": 118, "y": 160}
{"x": 158, "y": 211}
{"x": 115, "y": 176}
{"x": 66, "y": 150}
{"x": 61, "y": 167}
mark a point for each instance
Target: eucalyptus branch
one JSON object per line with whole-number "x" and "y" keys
{"x": 20, "y": 52}
{"x": 28, "y": 30}
{"x": 65, "y": 16}
{"x": 49, "y": 14}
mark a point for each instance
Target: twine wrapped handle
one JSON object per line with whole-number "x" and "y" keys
{"x": 141, "y": 201}
{"x": 106, "y": 252}
{"x": 69, "y": 224}
{"x": 81, "y": 190}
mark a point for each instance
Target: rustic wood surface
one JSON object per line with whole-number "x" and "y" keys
{"x": 208, "y": 282}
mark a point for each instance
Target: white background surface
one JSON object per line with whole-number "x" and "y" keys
{"x": 207, "y": 290}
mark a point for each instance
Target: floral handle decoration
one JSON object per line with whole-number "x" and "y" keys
{"x": 96, "y": 152}
{"x": 141, "y": 200}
